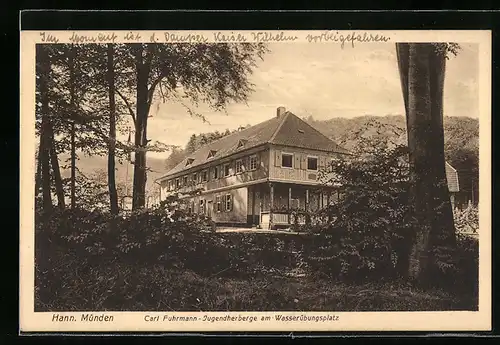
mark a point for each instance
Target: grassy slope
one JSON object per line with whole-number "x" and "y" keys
{"x": 118, "y": 286}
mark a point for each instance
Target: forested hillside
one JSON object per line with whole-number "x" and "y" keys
{"x": 461, "y": 138}
{"x": 461, "y": 135}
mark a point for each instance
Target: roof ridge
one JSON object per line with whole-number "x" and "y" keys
{"x": 276, "y": 131}
{"x": 324, "y": 136}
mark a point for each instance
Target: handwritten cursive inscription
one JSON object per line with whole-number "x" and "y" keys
{"x": 48, "y": 38}
{"x": 229, "y": 37}
{"x": 132, "y": 36}
{"x": 273, "y": 37}
{"x": 330, "y": 36}
{"x": 100, "y": 37}
{"x": 188, "y": 38}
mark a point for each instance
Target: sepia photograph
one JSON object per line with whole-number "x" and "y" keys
{"x": 216, "y": 175}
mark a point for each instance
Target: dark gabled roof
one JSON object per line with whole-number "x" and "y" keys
{"x": 287, "y": 130}
{"x": 296, "y": 132}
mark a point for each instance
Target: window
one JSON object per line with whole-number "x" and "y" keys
{"x": 215, "y": 173}
{"x": 204, "y": 176}
{"x": 185, "y": 181}
{"x": 312, "y": 163}
{"x": 229, "y": 202}
{"x": 242, "y": 143}
{"x": 253, "y": 163}
{"x": 239, "y": 166}
{"x": 202, "y": 206}
{"x": 195, "y": 178}
{"x": 177, "y": 183}
{"x": 287, "y": 160}
{"x": 211, "y": 153}
{"x": 218, "y": 205}
{"x": 226, "y": 170}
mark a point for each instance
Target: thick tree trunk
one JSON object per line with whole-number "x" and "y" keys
{"x": 57, "y": 172}
{"x": 443, "y": 228}
{"x": 422, "y": 77}
{"x": 113, "y": 195}
{"x": 44, "y": 154}
{"x": 140, "y": 141}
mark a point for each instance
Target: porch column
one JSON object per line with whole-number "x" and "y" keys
{"x": 307, "y": 200}
{"x": 253, "y": 206}
{"x": 289, "y": 204}
{"x": 271, "y": 206}
{"x": 307, "y": 215}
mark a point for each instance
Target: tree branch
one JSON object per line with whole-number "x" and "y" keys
{"x": 152, "y": 90}
{"x": 130, "y": 110}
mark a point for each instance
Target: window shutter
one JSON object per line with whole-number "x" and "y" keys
{"x": 321, "y": 162}
{"x": 277, "y": 158}
{"x": 258, "y": 159}
{"x": 296, "y": 158}
{"x": 303, "y": 162}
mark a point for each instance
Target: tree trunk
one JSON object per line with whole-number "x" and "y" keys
{"x": 38, "y": 176}
{"x": 422, "y": 77}
{"x": 44, "y": 63}
{"x": 73, "y": 130}
{"x": 140, "y": 141}
{"x": 443, "y": 228}
{"x": 113, "y": 195}
{"x": 57, "y": 172}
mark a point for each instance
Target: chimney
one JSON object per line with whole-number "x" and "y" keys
{"x": 280, "y": 111}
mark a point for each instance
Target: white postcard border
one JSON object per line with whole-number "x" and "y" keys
{"x": 31, "y": 321}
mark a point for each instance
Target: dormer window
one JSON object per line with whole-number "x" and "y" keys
{"x": 189, "y": 161}
{"x": 211, "y": 153}
{"x": 241, "y": 143}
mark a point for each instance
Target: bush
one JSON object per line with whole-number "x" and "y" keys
{"x": 369, "y": 224}
{"x": 170, "y": 237}
{"x": 458, "y": 267}
{"x": 466, "y": 220}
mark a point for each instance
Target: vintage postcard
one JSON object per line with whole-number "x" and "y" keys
{"x": 201, "y": 181}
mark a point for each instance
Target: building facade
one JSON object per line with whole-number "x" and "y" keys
{"x": 256, "y": 176}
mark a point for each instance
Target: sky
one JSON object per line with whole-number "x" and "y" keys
{"x": 323, "y": 81}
